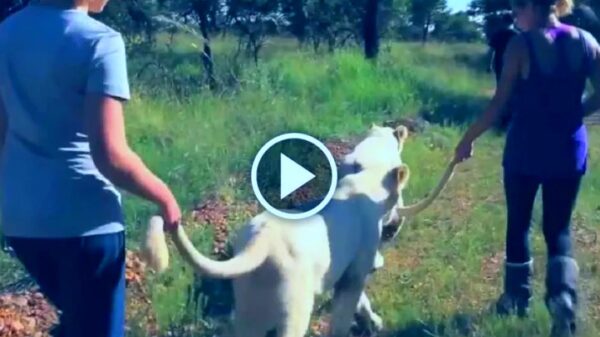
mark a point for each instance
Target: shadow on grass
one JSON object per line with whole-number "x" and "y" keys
{"x": 217, "y": 303}
{"x": 428, "y": 329}
{"x": 473, "y": 61}
{"x": 449, "y": 108}
{"x": 458, "y": 325}
{"x": 452, "y": 109}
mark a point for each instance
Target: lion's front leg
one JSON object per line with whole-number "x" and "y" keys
{"x": 347, "y": 294}
{"x": 366, "y": 317}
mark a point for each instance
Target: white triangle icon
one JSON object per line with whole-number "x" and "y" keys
{"x": 292, "y": 176}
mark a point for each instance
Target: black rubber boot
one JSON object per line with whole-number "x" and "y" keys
{"x": 561, "y": 295}
{"x": 517, "y": 290}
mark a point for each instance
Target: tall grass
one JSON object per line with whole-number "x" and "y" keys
{"x": 446, "y": 262}
{"x": 198, "y": 141}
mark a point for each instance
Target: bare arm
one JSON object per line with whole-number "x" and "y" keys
{"x": 508, "y": 78}
{"x": 114, "y": 158}
{"x": 592, "y": 102}
{"x": 490, "y": 58}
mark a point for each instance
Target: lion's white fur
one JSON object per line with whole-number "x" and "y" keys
{"x": 280, "y": 265}
{"x": 374, "y": 150}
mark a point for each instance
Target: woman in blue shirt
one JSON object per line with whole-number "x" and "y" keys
{"x": 63, "y": 78}
{"x": 546, "y": 70}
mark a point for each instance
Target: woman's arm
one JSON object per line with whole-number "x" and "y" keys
{"x": 510, "y": 73}
{"x": 107, "y": 85}
{"x": 591, "y": 104}
{"x": 490, "y": 58}
{"x": 114, "y": 158}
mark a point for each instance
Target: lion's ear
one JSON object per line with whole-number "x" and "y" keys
{"x": 401, "y": 133}
{"x": 402, "y": 174}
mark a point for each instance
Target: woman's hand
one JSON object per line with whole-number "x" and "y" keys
{"x": 464, "y": 150}
{"x": 171, "y": 214}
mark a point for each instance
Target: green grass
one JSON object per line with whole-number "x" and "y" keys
{"x": 447, "y": 261}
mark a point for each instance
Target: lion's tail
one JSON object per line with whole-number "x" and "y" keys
{"x": 423, "y": 204}
{"x": 157, "y": 254}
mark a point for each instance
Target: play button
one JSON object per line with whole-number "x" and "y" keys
{"x": 294, "y": 176}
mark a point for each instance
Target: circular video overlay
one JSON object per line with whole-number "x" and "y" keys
{"x": 294, "y": 176}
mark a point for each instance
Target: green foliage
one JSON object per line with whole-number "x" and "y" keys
{"x": 424, "y": 13}
{"x": 485, "y": 7}
{"x": 133, "y": 18}
{"x": 445, "y": 265}
{"x": 456, "y": 27}
{"x": 444, "y": 270}
{"x": 331, "y": 23}
{"x": 200, "y": 143}
{"x": 492, "y": 12}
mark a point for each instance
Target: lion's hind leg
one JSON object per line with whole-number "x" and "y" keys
{"x": 298, "y": 302}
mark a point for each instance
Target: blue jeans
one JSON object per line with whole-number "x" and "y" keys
{"x": 83, "y": 277}
{"x": 558, "y": 198}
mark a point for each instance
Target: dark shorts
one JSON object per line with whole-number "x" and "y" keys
{"x": 83, "y": 277}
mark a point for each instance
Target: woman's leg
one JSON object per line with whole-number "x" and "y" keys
{"x": 559, "y": 197}
{"x": 520, "y": 191}
{"x": 94, "y": 289}
{"x": 42, "y": 260}
{"x": 38, "y": 259}
{"x": 520, "y": 194}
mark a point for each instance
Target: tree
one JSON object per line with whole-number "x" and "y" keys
{"x": 456, "y": 27}
{"x": 424, "y": 12}
{"x": 370, "y": 30}
{"x": 335, "y": 21}
{"x": 204, "y": 10}
{"x": 400, "y": 20}
{"x": 296, "y": 12}
{"x": 133, "y": 19}
{"x": 254, "y": 20}
{"x": 490, "y": 12}
{"x": 204, "y": 14}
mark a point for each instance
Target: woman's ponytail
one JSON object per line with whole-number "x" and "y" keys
{"x": 563, "y": 7}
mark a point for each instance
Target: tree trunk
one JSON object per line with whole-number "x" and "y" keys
{"x": 207, "y": 59}
{"x": 299, "y": 21}
{"x": 426, "y": 29}
{"x": 370, "y": 32}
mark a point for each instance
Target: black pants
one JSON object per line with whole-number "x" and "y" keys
{"x": 83, "y": 277}
{"x": 558, "y": 198}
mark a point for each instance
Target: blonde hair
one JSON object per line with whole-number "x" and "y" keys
{"x": 563, "y": 7}
{"x": 558, "y": 7}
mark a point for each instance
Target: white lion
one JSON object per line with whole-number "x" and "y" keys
{"x": 280, "y": 265}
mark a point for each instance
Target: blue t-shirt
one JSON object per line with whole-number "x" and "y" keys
{"x": 50, "y": 58}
